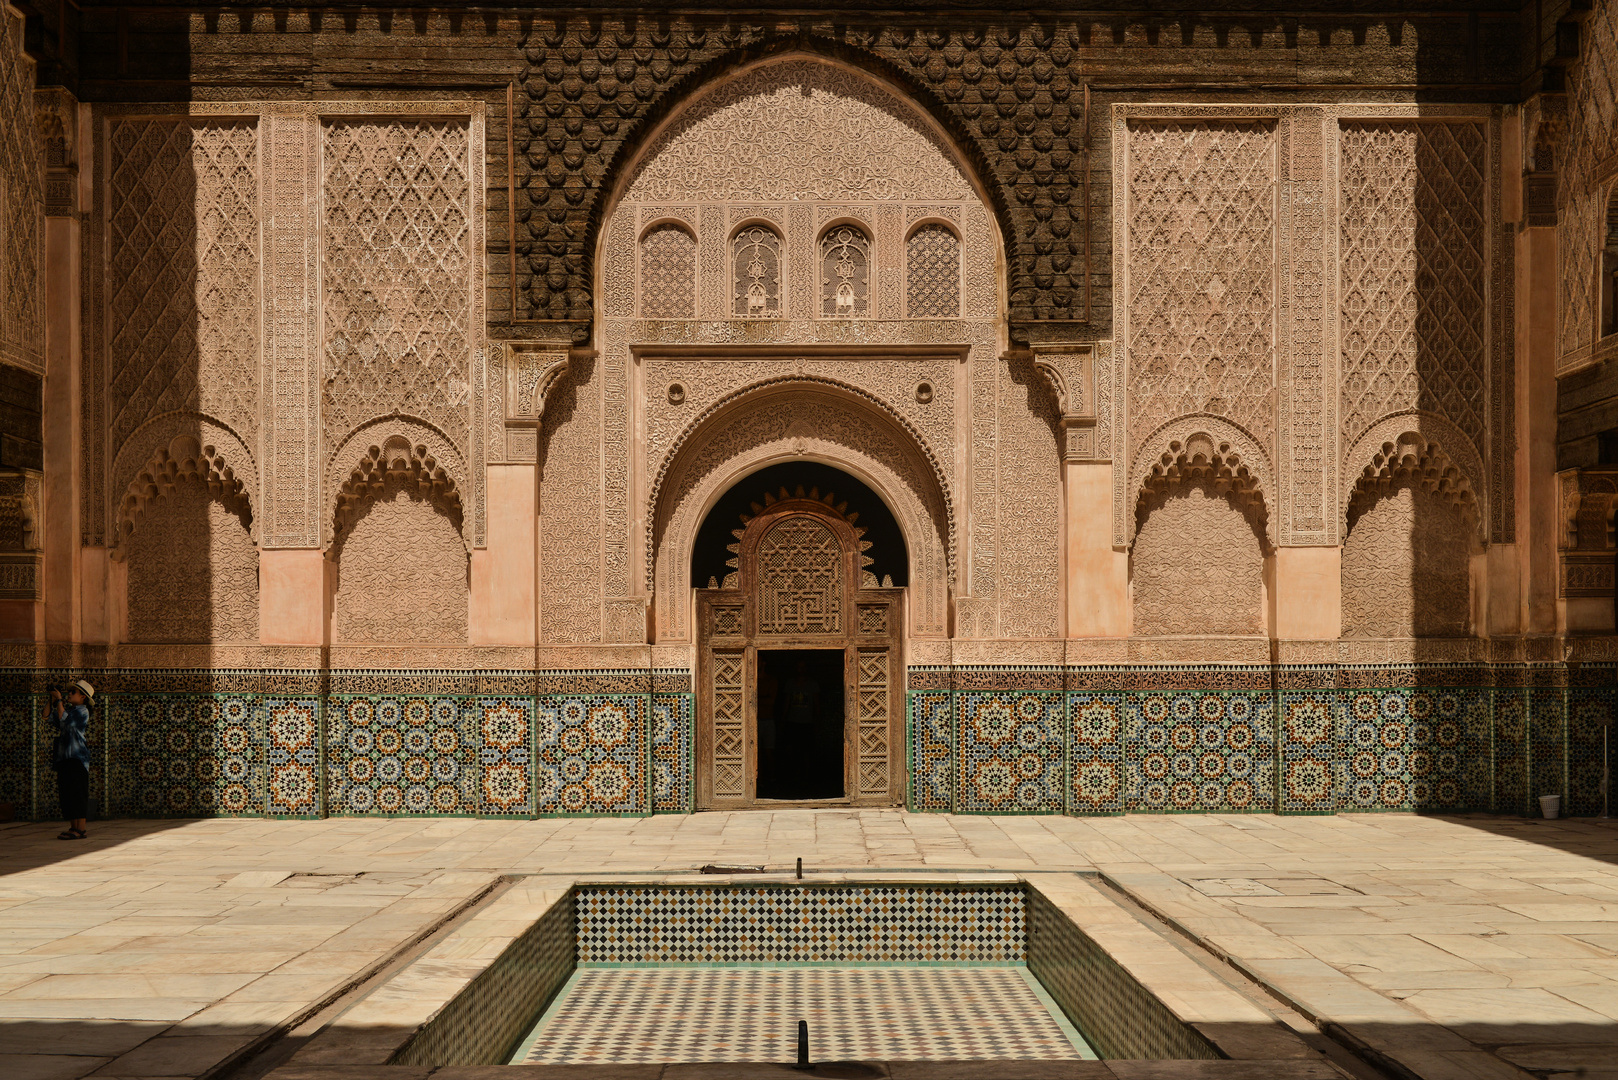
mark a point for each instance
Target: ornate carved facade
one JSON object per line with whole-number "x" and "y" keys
{"x": 424, "y": 368}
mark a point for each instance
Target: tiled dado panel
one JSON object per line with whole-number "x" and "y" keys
{"x": 183, "y": 755}
{"x": 403, "y": 754}
{"x": 591, "y": 754}
{"x": 658, "y": 924}
{"x": 672, "y": 736}
{"x": 1379, "y": 741}
{"x": 1012, "y": 750}
{"x": 17, "y": 752}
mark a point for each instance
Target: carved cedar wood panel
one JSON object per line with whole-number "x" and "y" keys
{"x": 22, "y": 205}
{"x": 800, "y": 582}
{"x": 1584, "y": 158}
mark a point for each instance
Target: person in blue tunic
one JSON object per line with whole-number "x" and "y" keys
{"x": 71, "y": 755}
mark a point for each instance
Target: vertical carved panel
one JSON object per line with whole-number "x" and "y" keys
{"x": 571, "y": 511}
{"x": 1197, "y": 565}
{"x": 1030, "y": 528}
{"x": 22, "y": 232}
{"x": 193, "y": 570}
{"x": 800, "y": 587}
{"x": 933, "y": 273}
{"x": 1405, "y": 567}
{"x": 397, "y": 259}
{"x": 1414, "y": 258}
{"x": 1305, "y": 464}
{"x": 1201, "y": 272}
{"x": 845, "y": 273}
{"x": 729, "y": 742}
{"x": 292, "y": 496}
{"x": 1591, "y": 141}
{"x": 183, "y": 251}
{"x": 668, "y": 273}
{"x": 873, "y": 697}
{"x": 401, "y": 570}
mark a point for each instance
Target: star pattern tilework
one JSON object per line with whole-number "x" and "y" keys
{"x": 932, "y": 757}
{"x": 625, "y": 1015}
{"x": 1097, "y": 724}
{"x": 671, "y": 753}
{"x": 1011, "y": 752}
{"x": 590, "y": 754}
{"x": 504, "y": 732}
{"x": 1207, "y": 752}
{"x": 397, "y": 755}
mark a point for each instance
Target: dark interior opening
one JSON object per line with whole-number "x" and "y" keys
{"x": 800, "y": 723}
{"x": 709, "y": 553}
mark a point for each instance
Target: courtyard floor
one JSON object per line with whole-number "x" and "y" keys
{"x": 1457, "y": 947}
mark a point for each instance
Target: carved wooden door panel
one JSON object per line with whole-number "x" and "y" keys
{"x": 799, "y": 583}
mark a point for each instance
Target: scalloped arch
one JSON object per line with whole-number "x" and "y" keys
{"x": 731, "y": 400}
{"x": 354, "y": 448}
{"x": 155, "y": 435}
{"x": 1250, "y": 455}
{"x": 1434, "y": 430}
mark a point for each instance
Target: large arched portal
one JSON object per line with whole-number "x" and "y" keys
{"x": 799, "y": 663}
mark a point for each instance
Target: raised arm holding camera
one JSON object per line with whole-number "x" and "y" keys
{"x": 70, "y": 712}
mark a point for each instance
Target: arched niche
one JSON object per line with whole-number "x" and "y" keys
{"x": 797, "y": 140}
{"x": 800, "y": 420}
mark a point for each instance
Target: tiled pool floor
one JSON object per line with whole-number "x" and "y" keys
{"x": 691, "y": 1013}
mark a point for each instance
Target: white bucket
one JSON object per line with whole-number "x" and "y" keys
{"x": 1550, "y": 806}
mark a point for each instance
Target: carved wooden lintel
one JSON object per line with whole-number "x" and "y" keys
{"x": 1588, "y": 545}
{"x": 532, "y": 370}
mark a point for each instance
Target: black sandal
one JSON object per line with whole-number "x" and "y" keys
{"x": 72, "y": 834}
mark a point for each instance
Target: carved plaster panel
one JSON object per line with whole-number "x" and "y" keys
{"x": 22, "y": 225}
{"x": 1586, "y": 165}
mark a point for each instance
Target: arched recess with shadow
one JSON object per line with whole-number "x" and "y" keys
{"x": 1412, "y": 532}
{"x": 801, "y": 420}
{"x": 184, "y": 532}
{"x": 1201, "y": 537}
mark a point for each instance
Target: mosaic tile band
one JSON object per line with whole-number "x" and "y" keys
{"x": 762, "y": 924}
{"x": 1015, "y": 740}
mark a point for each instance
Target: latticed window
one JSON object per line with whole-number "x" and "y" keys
{"x": 668, "y": 273}
{"x": 845, "y": 273}
{"x": 933, "y": 273}
{"x": 756, "y": 252}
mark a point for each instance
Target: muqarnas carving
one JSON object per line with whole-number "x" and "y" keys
{"x": 1198, "y": 557}
{"x": 1412, "y": 526}
{"x": 185, "y": 529}
{"x": 401, "y": 562}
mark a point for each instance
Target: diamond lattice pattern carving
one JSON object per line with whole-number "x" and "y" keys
{"x": 22, "y": 324}
{"x": 800, "y": 574}
{"x": 1414, "y": 265}
{"x": 668, "y": 273}
{"x": 1592, "y": 139}
{"x": 873, "y": 726}
{"x": 933, "y": 273}
{"x": 396, "y": 270}
{"x": 1201, "y": 234}
{"x": 183, "y": 262}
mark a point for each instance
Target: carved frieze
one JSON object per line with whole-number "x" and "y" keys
{"x": 22, "y": 224}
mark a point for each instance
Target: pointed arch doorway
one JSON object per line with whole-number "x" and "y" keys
{"x": 799, "y": 665}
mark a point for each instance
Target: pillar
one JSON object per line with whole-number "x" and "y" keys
{"x": 503, "y": 574}
{"x": 1308, "y": 593}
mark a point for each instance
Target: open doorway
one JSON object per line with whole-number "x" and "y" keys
{"x": 800, "y": 724}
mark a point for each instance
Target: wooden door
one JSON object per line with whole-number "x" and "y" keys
{"x": 799, "y": 582}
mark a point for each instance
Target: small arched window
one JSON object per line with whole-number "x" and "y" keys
{"x": 845, "y": 273}
{"x": 1609, "y": 265}
{"x": 668, "y": 273}
{"x": 756, "y": 257}
{"x": 933, "y": 273}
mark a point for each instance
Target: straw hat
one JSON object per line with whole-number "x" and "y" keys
{"x": 83, "y": 684}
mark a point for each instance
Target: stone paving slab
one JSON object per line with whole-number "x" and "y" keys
{"x": 1469, "y": 946}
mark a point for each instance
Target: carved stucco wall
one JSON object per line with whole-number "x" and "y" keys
{"x": 401, "y": 571}
{"x": 22, "y": 206}
{"x": 193, "y": 569}
{"x": 1197, "y": 566}
{"x": 790, "y": 143}
{"x": 283, "y": 274}
{"x": 1406, "y": 569}
{"x": 1240, "y": 306}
